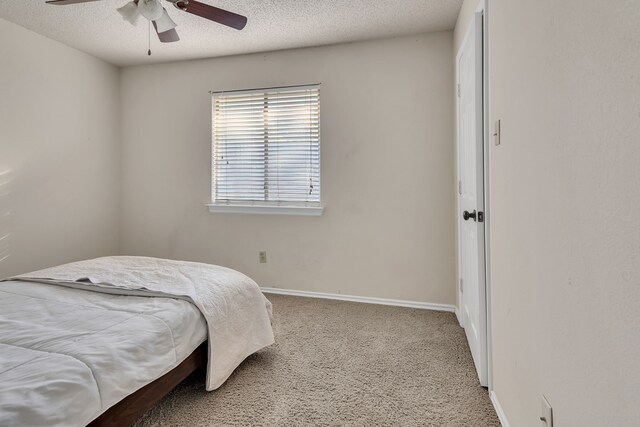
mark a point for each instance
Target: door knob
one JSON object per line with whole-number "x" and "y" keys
{"x": 466, "y": 215}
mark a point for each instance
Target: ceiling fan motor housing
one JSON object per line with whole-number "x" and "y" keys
{"x": 180, "y": 4}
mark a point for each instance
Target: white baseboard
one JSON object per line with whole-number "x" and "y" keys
{"x": 367, "y": 300}
{"x": 496, "y": 405}
{"x": 459, "y": 317}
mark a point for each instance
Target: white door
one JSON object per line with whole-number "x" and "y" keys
{"x": 471, "y": 197}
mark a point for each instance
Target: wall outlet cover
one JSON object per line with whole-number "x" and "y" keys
{"x": 263, "y": 257}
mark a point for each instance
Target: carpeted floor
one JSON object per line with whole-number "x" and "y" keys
{"x": 342, "y": 364}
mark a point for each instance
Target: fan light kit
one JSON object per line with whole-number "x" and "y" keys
{"x": 156, "y": 14}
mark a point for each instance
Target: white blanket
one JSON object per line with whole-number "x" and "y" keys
{"x": 67, "y": 355}
{"x": 238, "y": 315}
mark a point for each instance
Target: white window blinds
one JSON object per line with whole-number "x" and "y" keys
{"x": 266, "y": 147}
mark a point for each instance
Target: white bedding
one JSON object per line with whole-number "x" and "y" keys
{"x": 67, "y": 355}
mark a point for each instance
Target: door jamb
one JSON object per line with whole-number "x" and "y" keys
{"x": 483, "y": 7}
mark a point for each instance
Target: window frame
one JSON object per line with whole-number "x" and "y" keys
{"x": 304, "y": 208}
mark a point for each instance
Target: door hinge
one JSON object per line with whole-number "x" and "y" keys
{"x": 461, "y": 285}
{"x": 460, "y": 187}
{"x": 458, "y": 90}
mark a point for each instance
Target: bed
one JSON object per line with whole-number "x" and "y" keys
{"x": 99, "y": 342}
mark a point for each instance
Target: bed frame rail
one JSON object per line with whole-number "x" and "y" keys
{"x": 129, "y": 410}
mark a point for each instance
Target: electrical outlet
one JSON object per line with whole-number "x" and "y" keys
{"x": 263, "y": 257}
{"x": 546, "y": 414}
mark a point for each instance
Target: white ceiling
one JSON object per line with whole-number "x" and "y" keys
{"x": 97, "y": 28}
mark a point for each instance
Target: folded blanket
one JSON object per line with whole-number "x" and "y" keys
{"x": 238, "y": 315}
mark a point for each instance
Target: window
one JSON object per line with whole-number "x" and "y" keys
{"x": 266, "y": 151}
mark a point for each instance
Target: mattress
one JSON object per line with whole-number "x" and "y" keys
{"x": 67, "y": 355}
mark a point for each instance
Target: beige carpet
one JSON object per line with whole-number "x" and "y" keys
{"x": 342, "y": 364}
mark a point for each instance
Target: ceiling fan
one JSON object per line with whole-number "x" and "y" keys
{"x": 153, "y": 11}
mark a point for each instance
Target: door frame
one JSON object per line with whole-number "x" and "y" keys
{"x": 481, "y": 13}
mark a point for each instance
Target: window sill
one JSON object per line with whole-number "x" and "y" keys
{"x": 267, "y": 210}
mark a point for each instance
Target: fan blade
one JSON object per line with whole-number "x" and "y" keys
{"x": 168, "y": 36}
{"x": 63, "y": 2}
{"x": 164, "y": 23}
{"x": 215, "y": 14}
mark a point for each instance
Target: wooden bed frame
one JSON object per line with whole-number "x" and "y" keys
{"x": 129, "y": 410}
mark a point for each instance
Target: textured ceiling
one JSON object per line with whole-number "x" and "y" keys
{"x": 97, "y": 28}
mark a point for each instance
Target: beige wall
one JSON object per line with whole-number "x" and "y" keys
{"x": 59, "y": 153}
{"x": 387, "y": 162}
{"x": 565, "y": 81}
